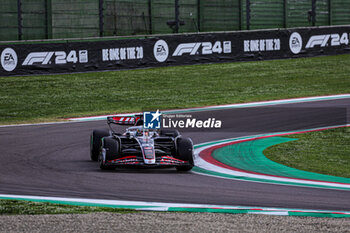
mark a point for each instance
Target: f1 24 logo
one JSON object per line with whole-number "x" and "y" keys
{"x": 323, "y": 40}
{"x": 61, "y": 57}
{"x": 206, "y": 48}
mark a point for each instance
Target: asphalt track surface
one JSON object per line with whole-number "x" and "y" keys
{"x": 53, "y": 160}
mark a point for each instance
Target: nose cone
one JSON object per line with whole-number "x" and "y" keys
{"x": 149, "y": 155}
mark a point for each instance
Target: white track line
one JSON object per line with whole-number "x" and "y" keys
{"x": 160, "y": 206}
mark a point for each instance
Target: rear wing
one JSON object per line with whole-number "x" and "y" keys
{"x": 136, "y": 119}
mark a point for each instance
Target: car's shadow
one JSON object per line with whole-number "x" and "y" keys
{"x": 144, "y": 171}
{"x": 135, "y": 170}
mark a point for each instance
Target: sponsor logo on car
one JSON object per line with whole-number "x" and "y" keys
{"x": 161, "y": 51}
{"x": 56, "y": 57}
{"x": 120, "y": 54}
{"x": 203, "y": 48}
{"x": 152, "y": 120}
{"x": 295, "y": 42}
{"x": 328, "y": 40}
{"x": 9, "y": 59}
{"x": 262, "y": 45}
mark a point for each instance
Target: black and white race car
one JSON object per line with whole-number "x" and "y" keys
{"x": 141, "y": 147}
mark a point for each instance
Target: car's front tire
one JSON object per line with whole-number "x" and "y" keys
{"x": 185, "y": 153}
{"x": 109, "y": 151}
{"x": 95, "y": 142}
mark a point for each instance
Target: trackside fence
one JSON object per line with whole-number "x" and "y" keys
{"x": 177, "y": 49}
{"x": 52, "y": 19}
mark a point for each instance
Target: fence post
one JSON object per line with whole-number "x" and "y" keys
{"x": 177, "y": 21}
{"x": 240, "y": 14}
{"x": 313, "y": 12}
{"x": 150, "y": 16}
{"x": 285, "y": 13}
{"x": 19, "y": 19}
{"x": 248, "y": 14}
{"x": 329, "y": 12}
{"x": 100, "y": 10}
{"x": 48, "y": 19}
{"x": 199, "y": 15}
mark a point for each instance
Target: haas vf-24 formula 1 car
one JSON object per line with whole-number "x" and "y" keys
{"x": 141, "y": 147}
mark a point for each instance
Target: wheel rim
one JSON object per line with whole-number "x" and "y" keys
{"x": 101, "y": 157}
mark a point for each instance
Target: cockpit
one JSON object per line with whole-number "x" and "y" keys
{"x": 139, "y": 131}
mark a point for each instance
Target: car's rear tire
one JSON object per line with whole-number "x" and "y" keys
{"x": 169, "y": 133}
{"x": 109, "y": 151}
{"x": 95, "y": 142}
{"x": 185, "y": 153}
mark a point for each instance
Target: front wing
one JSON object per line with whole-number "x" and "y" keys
{"x": 137, "y": 161}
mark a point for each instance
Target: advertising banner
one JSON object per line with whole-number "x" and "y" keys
{"x": 183, "y": 49}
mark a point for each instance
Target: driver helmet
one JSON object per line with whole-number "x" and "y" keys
{"x": 146, "y": 132}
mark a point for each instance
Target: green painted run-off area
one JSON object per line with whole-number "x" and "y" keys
{"x": 249, "y": 156}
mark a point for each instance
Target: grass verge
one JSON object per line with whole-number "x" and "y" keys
{"x": 53, "y": 97}
{"x": 14, "y": 207}
{"x": 326, "y": 152}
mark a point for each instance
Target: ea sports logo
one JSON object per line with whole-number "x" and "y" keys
{"x": 9, "y": 59}
{"x": 295, "y": 43}
{"x": 161, "y": 51}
